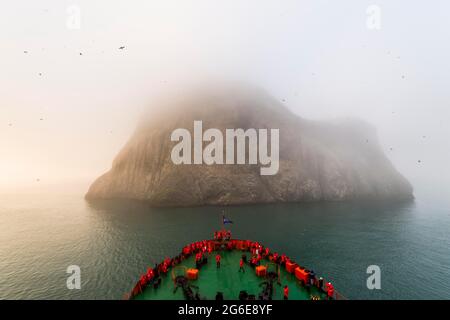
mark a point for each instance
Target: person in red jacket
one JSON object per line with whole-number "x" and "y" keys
{"x": 275, "y": 257}
{"x": 198, "y": 258}
{"x": 164, "y": 267}
{"x": 143, "y": 281}
{"x": 241, "y": 265}
{"x": 150, "y": 274}
{"x": 286, "y": 292}
{"x": 218, "y": 261}
{"x": 330, "y": 291}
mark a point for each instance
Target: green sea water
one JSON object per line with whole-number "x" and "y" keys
{"x": 114, "y": 242}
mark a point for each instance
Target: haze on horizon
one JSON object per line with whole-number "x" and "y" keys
{"x": 71, "y": 97}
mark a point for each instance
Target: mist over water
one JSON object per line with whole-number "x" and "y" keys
{"x": 64, "y": 116}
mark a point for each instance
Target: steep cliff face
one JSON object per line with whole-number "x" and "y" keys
{"x": 318, "y": 160}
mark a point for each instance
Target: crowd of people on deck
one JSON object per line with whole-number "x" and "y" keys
{"x": 222, "y": 241}
{"x": 222, "y": 235}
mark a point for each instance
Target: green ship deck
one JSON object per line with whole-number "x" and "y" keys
{"x": 228, "y": 280}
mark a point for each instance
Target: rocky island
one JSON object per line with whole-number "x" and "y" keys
{"x": 318, "y": 161}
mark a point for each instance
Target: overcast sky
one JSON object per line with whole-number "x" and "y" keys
{"x": 64, "y": 115}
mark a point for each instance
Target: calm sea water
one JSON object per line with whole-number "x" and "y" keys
{"x": 113, "y": 243}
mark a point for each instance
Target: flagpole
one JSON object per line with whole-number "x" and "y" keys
{"x": 223, "y": 222}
